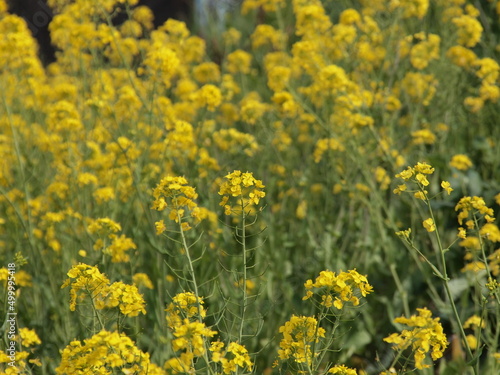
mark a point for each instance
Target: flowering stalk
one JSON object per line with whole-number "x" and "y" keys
{"x": 418, "y": 175}
{"x": 248, "y": 191}
{"x": 305, "y": 342}
{"x": 244, "y": 283}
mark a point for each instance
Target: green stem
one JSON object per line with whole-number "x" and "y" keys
{"x": 485, "y": 258}
{"x": 195, "y": 285}
{"x": 448, "y": 290}
{"x": 400, "y": 288}
{"x": 244, "y": 286}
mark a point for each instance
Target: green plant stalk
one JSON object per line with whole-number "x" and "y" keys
{"x": 190, "y": 263}
{"x": 401, "y": 289}
{"x": 244, "y": 284}
{"x": 485, "y": 258}
{"x": 195, "y": 285}
{"x": 320, "y": 317}
{"x": 330, "y": 339}
{"x": 96, "y": 314}
{"x": 447, "y": 288}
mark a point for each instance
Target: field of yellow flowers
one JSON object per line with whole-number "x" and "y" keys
{"x": 311, "y": 191}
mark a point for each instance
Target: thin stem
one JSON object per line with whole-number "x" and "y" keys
{"x": 445, "y": 279}
{"x": 243, "y": 243}
{"x": 190, "y": 265}
{"x": 485, "y": 258}
{"x": 195, "y": 285}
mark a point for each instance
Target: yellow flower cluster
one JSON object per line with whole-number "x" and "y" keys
{"x": 336, "y": 290}
{"x": 427, "y": 334}
{"x": 468, "y": 206}
{"x": 233, "y": 357}
{"x": 184, "y": 317}
{"x": 233, "y": 142}
{"x": 342, "y": 370}
{"x": 16, "y": 361}
{"x": 22, "y": 277}
{"x": 299, "y": 334}
{"x": 422, "y": 48}
{"x": 185, "y": 306}
{"x": 418, "y": 174}
{"x": 174, "y": 194}
{"x": 460, "y": 162}
{"x": 88, "y": 281}
{"x": 244, "y": 187}
{"x": 410, "y": 8}
{"x": 109, "y": 242}
{"x": 104, "y": 353}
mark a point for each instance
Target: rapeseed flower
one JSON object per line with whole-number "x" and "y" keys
{"x": 191, "y": 336}
{"x": 185, "y": 306}
{"x": 336, "y": 290}
{"x": 102, "y": 353}
{"x": 28, "y": 337}
{"x": 469, "y": 30}
{"x": 427, "y": 334}
{"x": 239, "y": 61}
{"x": 473, "y": 205}
{"x": 234, "y": 356}
{"x": 460, "y": 162}
{"x": 429, "y": 225}
{"x": 299, "y": 334}
{"x": 244, "y": 187}
{"x": 126, "y": 297}
{"x": 342, "y": 370}
{"x": 410, "y": 8}
{"x": 174, "y": 194}
{"x": 85, "y": 280}
{"x": 88, "y": 281}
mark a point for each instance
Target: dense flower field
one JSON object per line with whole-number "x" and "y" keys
{"x": 311, "y": 190}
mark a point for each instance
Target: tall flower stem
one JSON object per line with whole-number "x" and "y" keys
{"x": 195, "y": 289}
{"x": 244, "y": 282}
{"x": 444, "y": 277}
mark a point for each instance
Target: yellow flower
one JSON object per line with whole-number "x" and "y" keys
{"x": 239, "y": 61}
{"x": 160, "y": 227}
{"x": 424, "y": 136}
{"x": 469, "y": 30}
{"x": 420, "y": 87}
{"x": 422, "y": 179}
{"x": 243, "y": 186}
{"x": 29, "y": 337}
{"x": 429, "y": 225}
{"x": 102, "y": 353}
{"x": 234, "y": 356}
{"x": 472, "y": 341}
{"x": 460, "y": 162}
{"x": 406, "y": 174}
{"x": 141, "y": 279}
{"x": 461, "y": 56}
{"x": 427, "y": 334}
{"x": 342, "y": 370}
{"x": 491, "y": 232}
{"x": 335, "y": 290}
{"x": 404, "y": 233}
{"x": 299, "y": 333}
{"x": 191, "y": 336}
{"x": 410, "y": 8}
{"x": 126, "y": 297}
{"x": 85, "y": 280}
{"x": 301, "y": 211}
{"x": 474, "y": 322}
{"x": 446, "y": 186}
